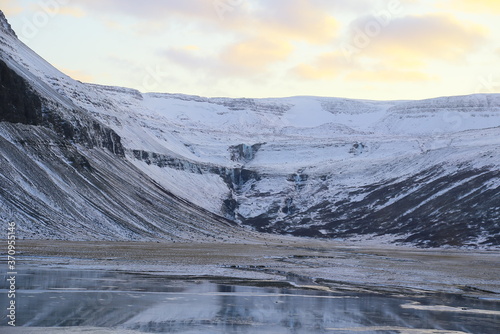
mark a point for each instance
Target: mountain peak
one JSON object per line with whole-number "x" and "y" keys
{"x": 5, "y": 25}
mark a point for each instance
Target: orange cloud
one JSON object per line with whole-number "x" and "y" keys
{"x": 326, "y": 66}
{"x": 248, "y": 58}
{"x": 478, "y": 6}
{"x": 112, "y": 24}
{"x": 191, "y": 47}
{"x": 71, "y": 11}
{"x": 310, "y": 72}
{"x": 256, "y": 53}
{"x": 333, "y": 65}
{"x": 271, "y": 30}
{"x": 413, "y": 41}
{"x": 392, "y": 75}
{"x": 78, "y": 75}
{"x": 11, "y": 7}
{"x": 300, "y": 20}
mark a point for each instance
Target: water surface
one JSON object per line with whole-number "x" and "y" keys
{"x": 72, "y": 301}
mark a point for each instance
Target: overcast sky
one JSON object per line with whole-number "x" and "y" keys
{"x": 391, "y": 49}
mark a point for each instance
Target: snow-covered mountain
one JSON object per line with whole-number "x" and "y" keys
{"x": 109, "y": 161}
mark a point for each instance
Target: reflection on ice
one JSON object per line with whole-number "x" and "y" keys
{"x": 117, "y": 302}
{"x": 388, "y": 329}
{"x": 443, "y": 308}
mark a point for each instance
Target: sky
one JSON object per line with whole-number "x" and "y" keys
{"x": 364, "y": 49}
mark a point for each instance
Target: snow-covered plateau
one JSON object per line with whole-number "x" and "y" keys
{"x": 82, "y": 161}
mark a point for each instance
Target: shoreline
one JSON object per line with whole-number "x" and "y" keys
{"x": 303, "y": 263}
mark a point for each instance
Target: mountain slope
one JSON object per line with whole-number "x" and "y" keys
{"x": 146, "y": 164}
{"x": 64, "y": 174}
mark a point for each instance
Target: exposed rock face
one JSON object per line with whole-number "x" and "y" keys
{"x": 18, "y": 104}
{"x": 5, "y": 26}
{"x": 244, "y": 153}
{"x": 436, "y": 208}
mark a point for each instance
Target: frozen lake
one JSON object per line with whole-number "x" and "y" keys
{"x": 96, "y": 301}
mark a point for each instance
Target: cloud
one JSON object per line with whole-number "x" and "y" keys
{"x": 78, "y": 75}
{"x": 155, "y": 10}
{"x": 333, "y": 65}
{"x": 477, "y": 6}
{"x": 71, "y": 11}
{"x": 351, "y": 6}
{"x": 112, "y": 24}
{"x": 389, "y": 75}
{"x": 258, "y": 34}
{"x": 324, "y": 67}
{"x": 189, "y": 57}
{"x": 57, "y": 7}
{"x": 246, "y": 58}
{"x": 298, "y": 20}
{"x": 11, "y": 7}
{"x": 400, "y": 50}
{"x": 412, "y": 41}
{"x": 311, "y": 72}
{"x": 256, "y": 53}
{"x": 291, "y": 19}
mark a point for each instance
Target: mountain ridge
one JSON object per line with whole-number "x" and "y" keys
{"x": 422, "y": 171}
